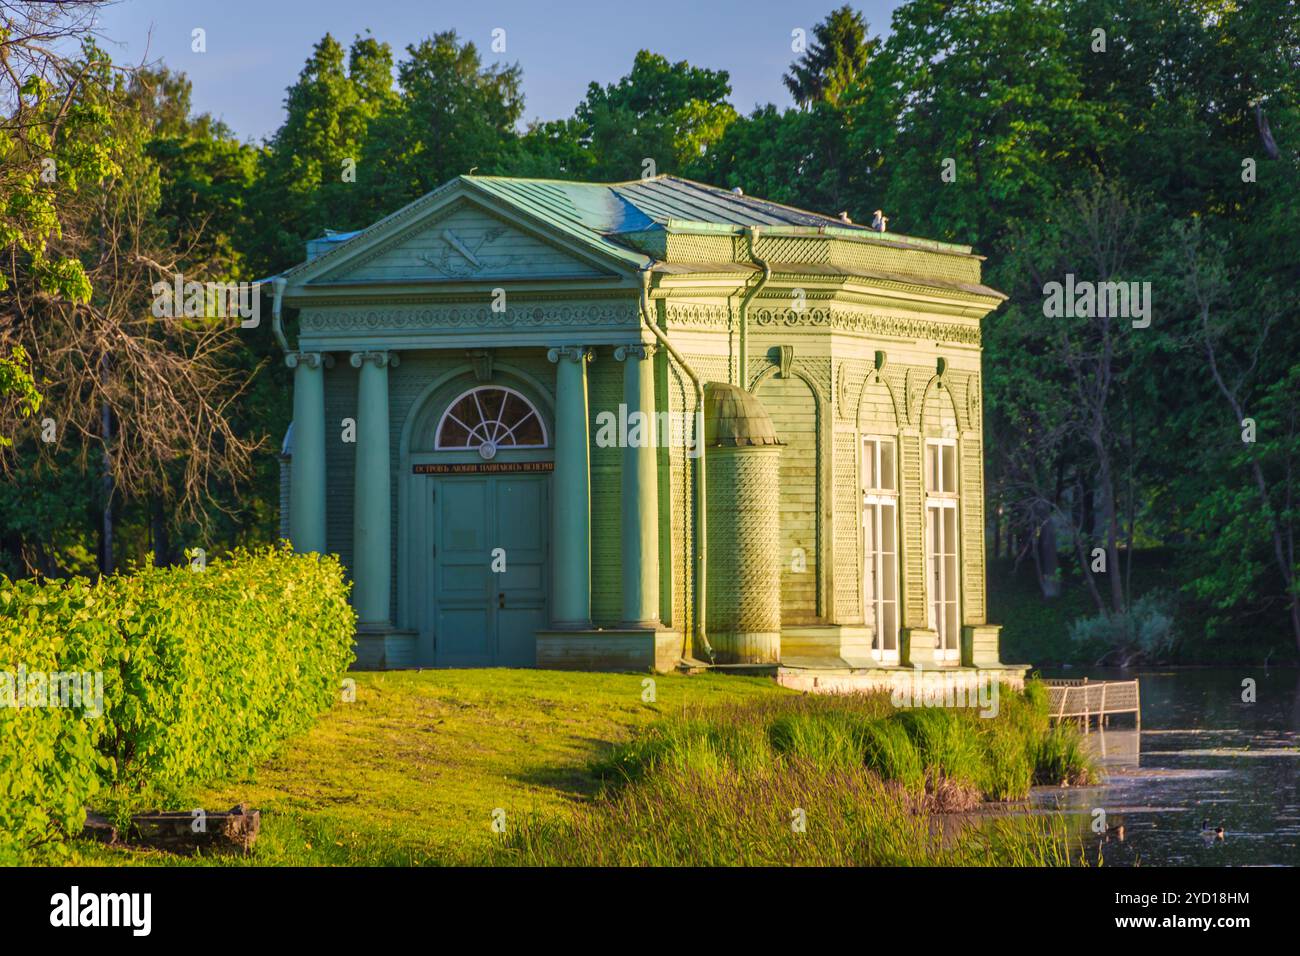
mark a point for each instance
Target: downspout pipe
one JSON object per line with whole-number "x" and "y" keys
{"x": 701, "y": 580}
{"x": 751, "y": 233}
{"x": 277, "y": 297}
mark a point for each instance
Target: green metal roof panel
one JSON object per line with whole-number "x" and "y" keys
{"x": 668, "y": 197}
{"x": 588, "y": 211}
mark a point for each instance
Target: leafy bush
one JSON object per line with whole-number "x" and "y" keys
{"x": 1144, "y": 633}
{"x": 49, "y": 764}
{"x": 204, "y": 672}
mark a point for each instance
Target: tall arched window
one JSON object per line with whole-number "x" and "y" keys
{"x": 489, "y": 418}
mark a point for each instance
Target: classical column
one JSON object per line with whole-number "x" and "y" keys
{"x": 640, "y": 489}
{"x": 307, "y": 468}
{"x": 372, "y": 509}
{"x": 571, "y": 490}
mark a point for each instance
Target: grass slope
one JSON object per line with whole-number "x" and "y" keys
{"x": 411, "y": 772}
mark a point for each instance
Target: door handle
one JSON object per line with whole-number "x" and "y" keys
{"x": 501, "y": 599}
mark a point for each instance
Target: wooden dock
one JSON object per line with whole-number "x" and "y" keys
{"x": 1082, "y": 700}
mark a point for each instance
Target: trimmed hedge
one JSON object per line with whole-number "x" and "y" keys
{"x": 204, "y": 673}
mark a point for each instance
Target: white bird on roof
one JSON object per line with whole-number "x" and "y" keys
{"x": 879, "y": 221}
{"x": 844, "y": 217}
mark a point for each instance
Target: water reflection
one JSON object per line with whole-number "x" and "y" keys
{"x": 1204, "y": 759}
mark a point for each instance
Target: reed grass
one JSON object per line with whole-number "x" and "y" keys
{"x": 818, "y": 780}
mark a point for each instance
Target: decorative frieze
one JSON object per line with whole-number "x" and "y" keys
{"x": 613, "y": 314}
{"x": 706, "y": 316}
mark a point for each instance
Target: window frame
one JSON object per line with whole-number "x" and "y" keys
{"x": 877, "y": 499}
{"x": 533, "y": 410}
{"x": 941, "y": 503}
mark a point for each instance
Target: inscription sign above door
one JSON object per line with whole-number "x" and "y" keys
{"x": 481, "y": 467}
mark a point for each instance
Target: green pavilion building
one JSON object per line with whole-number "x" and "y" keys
{"x": 642, "y": 425}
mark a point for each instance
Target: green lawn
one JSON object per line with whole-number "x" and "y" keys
{"x": 411, "y": 772}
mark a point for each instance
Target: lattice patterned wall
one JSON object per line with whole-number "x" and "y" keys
{"x": 605, "y": 393}
{"x": 340, "y": 458}
{"x": 848, "y": 535}
{"x": 972, "y": 528}
{"x": 912, "y": 507}
{"x": 743, "y": 555}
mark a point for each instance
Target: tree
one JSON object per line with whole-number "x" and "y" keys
{"x": 455, "y": 116}
{"x": 132, "y": 393}
{"x": 1231, "y": 330}
{"x": 660, "y": 118}
{"x": 49, "y": 145}
{"x": 310, "y": 172}
{"x": 1060, "y": 383}
{"x": 551, "y": 150}
{"x": 974, "y": 110}
{"x": 837, "y": 57}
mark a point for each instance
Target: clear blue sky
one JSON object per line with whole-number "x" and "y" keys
{"x": 255, "y": 48}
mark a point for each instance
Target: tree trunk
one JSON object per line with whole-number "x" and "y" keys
{"x": 1048, "y": 563}
{"x": 162, "y": 546}
{"x": 106, "y": 524}
{"x": 1110, "y": 516}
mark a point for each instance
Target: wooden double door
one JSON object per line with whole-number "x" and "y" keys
{"x": 490, "y": 583}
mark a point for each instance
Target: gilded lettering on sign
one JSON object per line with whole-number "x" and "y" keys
{"x": 480, "y": 467}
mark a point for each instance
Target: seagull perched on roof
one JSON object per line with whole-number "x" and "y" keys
{"x": 879, "y": 221}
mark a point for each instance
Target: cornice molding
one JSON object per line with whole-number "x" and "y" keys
{"x": 708, "y": 316}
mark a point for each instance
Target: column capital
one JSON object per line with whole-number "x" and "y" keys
{"x": 379, "y": 359}
{"x": 309, "y": 359}
{"x": 635, "y": 350}
{"x": 574, "y": 353}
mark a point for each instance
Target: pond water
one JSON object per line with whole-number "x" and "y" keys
{"x": 1202, "y": 753}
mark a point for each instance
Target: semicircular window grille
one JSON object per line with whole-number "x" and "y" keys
{"x": 490, "y": 418}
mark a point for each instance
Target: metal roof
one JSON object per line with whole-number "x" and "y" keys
{"x": 614, "y": 208}
{"x": 613, "y": 217}
{"x": 665, "y": 198}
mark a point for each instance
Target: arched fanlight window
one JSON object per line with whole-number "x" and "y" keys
{"x": 489, "y": 418}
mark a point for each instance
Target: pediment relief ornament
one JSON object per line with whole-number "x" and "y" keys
{"x": 459, "y": 258}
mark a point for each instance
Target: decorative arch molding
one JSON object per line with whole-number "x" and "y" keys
{"x": 796, "y": 371}
{"x": 938, "y": 384}
{"x": 880, "y": 380}
{"x": 431, "y": 402}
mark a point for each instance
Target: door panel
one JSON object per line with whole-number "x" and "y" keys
{"x": 462, "y": 617}
{"x": 519, "y": 504}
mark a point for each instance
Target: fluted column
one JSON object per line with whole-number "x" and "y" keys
{"x": 307, "y": 468}
{"x": 372, "y": 509}
{"x": 571, "y": 490}
{"x": 640, "y": 543}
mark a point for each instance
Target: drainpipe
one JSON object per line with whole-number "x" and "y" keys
{"x": 700, "y": 517}
{"x": 277, "y": 288}
{"x": 751, "y": 233}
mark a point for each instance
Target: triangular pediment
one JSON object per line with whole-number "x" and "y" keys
{"x": 461, "y": 241}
